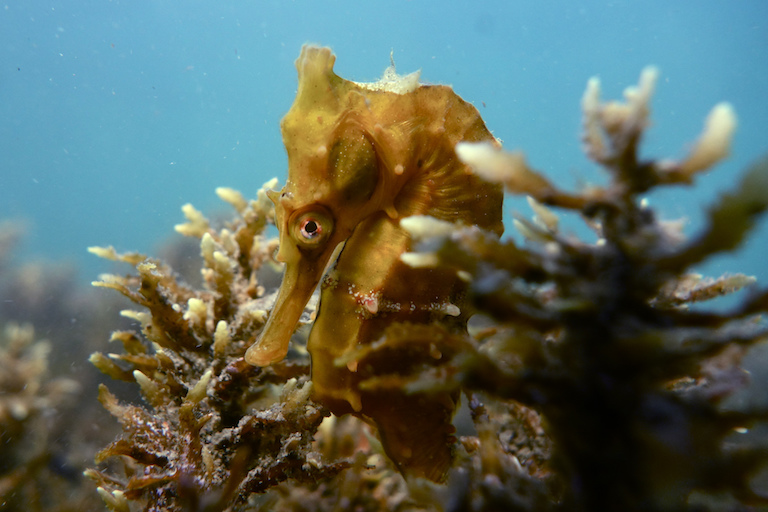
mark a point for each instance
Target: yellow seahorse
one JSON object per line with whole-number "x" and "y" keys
{"x": 360, "y": 158}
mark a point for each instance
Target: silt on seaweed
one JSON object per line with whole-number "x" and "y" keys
{"x": 599, "y": 337}
{"x": 214, "y": 429}
{"x": 592, "y": 384}
{"x": 50, "y": 424}
{"x": 33, "y": 466}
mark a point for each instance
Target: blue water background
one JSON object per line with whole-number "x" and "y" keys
{"x": 115, "y": 113}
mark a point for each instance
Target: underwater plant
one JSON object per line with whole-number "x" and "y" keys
{"x": 218, "y": 429}
{"x": 590, "y": 381}
{"x": 601, "y": 338}
{"x": 50, "y": 424}
{"x": 30, "y": 402}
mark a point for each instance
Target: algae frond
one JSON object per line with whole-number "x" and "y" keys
{"x": 591, "y": 383}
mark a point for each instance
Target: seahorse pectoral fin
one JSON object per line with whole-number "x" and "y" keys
{"x": 299, "y": 281}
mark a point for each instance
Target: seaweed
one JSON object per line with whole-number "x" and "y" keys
{"x": 201, "y": 443}
{"x": 30, "y": 462}
{"x": 595, "y": 376}
{"x": 608, "y": 340}
{"x": 49, "y": 427}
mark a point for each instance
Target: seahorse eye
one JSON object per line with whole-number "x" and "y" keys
{"x": 310, "y": 228}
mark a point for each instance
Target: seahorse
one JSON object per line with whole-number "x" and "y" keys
{"x": 361, "y": 157}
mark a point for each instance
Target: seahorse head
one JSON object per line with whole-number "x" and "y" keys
{"x": 333, "y": 179}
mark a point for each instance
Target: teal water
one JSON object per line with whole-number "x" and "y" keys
{"x": 115, "y": 113}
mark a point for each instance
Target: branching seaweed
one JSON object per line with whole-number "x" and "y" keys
{"x": 50, "y": 426}
{"x": 591, "y": 382}
{"x": 29, "y": 399}
{"x": 215, "y": 429}
{"x": 600, "y": 338}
